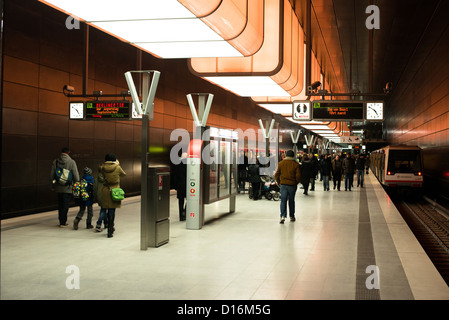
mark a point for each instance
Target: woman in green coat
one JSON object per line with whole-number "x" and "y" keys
{"x": 109, "y": 178}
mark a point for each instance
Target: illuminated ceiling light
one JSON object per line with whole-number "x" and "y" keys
{"x": 165, "y": 28}
{"x": 247, "y": 86}
{"x": 315, "y": 73}
{"x": 315, "y": 127}
{"x": 283, "y": 36}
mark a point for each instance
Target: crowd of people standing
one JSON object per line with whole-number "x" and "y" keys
{"x": 332, "y": 167}
{"x": 305, "y": 171}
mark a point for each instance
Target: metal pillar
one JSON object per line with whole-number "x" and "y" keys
{"x": 144, "y": 108}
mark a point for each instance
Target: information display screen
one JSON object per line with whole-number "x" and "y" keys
{"x": 337, "y": 110}
{"x": 115, "y": 110}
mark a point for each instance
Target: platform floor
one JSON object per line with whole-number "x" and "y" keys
{"x": 245, "y": 255}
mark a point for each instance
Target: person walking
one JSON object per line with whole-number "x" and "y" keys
{"x": 180, "y": 182}
{"x": 348, "y": 170}
{"x": 85, "y": 199}
{"x": 306, "y": 173}
{"x": 360, "y": 167}
{"x": 326, "y": 170}
{"x": 337, "y": 171}
{"x": 111, "y": 173}
{"x": 255, "y": 180}
{"x": 63, "y": 189}
{"x": 367, "y": 164}
{"x": 288, "y": 175}
{"x": 315, "y": 170}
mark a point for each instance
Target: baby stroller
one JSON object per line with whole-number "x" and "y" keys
{"x": 271, "y": 190}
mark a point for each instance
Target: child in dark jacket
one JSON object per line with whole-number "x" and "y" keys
{"x": 85, "y": 199}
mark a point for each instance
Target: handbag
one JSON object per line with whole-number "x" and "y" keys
{"x": 117, "y": 194}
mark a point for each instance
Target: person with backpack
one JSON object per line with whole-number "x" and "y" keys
{"x": 63, "y": 174}
{"x": 83, "y": 193}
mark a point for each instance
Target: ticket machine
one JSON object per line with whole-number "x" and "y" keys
{"x": 211, "y": 173}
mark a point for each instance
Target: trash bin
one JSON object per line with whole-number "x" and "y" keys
{"x": 158, "y": 207}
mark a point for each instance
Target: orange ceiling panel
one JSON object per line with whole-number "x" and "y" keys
{"x": 280, "y": 57}
{"x": 264, "y": 61}
{"x": 240, "y": 22}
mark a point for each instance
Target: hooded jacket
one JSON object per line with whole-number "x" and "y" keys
{"x": 110, "y": 173}
{"x": 64, "y": 161}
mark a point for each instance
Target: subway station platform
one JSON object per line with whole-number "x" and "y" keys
{"x": 325, "y": 254}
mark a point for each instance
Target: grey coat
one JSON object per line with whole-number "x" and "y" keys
{"x": 66, "y": 162}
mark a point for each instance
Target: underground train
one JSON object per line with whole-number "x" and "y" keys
{"x": 398, "y": 166}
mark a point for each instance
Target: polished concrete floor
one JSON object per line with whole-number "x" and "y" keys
{"x": 328, "y": 253}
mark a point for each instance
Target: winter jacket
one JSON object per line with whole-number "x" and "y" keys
{"x": 111, "y": 173}
{"x": 288, "y": 172}
{"x": 306, "y": 171}
{"x": 326, "y": 167}
{"x": 360, "y": 163}
{"x": 90, "y": 186}
{"x": 348, "y": 166}
{"x": 254, "y": 173}
{"x": 315, "y": 166}
{"x": 64, "y": 161}
{"x": 337, "y": 167}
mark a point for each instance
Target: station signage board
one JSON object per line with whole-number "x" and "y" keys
{"x": 350, "y": 139}
{"x": 101, "y": 110}
{"x": 110, "y": 110}
{"x": 338, "y": 110}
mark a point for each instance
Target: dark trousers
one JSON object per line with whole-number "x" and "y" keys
{"x": 256, "y": 189}
{"x": 90, "y": 213}
{"x": 63, "y": 207}
{"x": 337, "y": 180}
{"x": 305, "y": 185}
{"x": 182, "y": 209}
{"x": 349, "y": 178}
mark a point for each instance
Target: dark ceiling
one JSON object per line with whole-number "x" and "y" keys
{"x": 342, "y": 41}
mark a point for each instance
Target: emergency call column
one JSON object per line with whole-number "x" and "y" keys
{"x": 194, "y": 194}
{"x": 195, "y": 204}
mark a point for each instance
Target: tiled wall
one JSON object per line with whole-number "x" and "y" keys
{"x": 419, "y": 106}
{"x": 41, "y": 56}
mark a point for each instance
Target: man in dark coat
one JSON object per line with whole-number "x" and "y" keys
{"x": 306, "y": 173}
{"x": 360, "y": 166}
{"x": 326, "y": 171}
{"x": 180, "y": 183}
{"x": 348, "y": 170}
{"x": 64, "y": 191}
{"x": 254, "y": 179}
{"x": 337, "y": 171}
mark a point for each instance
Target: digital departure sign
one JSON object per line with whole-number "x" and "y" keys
{"x": 338, "y": 110}
{"x": 111, "y": 110}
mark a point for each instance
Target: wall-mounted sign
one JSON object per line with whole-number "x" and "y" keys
{"x": 337, "y": 110}
{"x": 111, "y": 110}
{"x": 350, "y": 139}
{"x": 301, "y": 110}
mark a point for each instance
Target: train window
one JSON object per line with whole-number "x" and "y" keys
{"x": 404, "y": 161}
